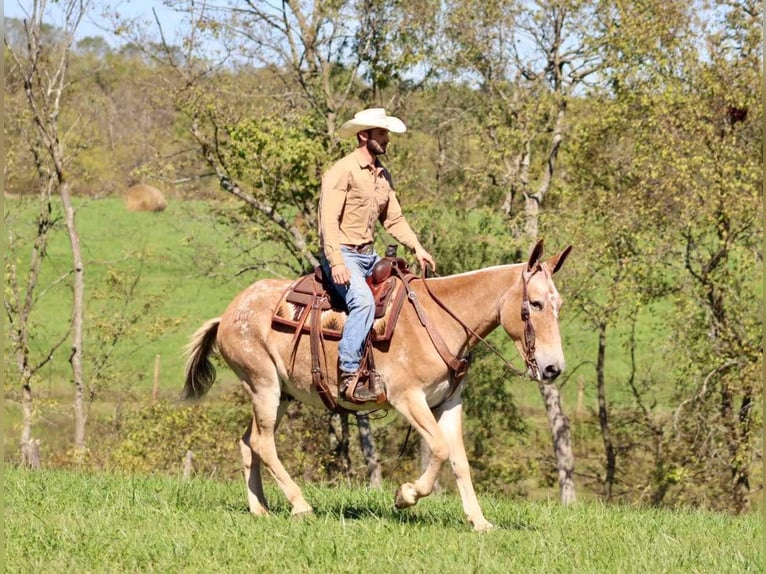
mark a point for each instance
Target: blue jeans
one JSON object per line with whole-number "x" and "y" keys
{"x": 360, "y": 303}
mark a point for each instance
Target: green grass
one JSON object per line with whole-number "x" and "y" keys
{"x": 188, "y": 270}
{"x": 57, "y": 521}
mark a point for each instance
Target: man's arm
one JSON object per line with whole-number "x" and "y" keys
{"x": 332, "y": 200}
{"x": 394, "y": 222}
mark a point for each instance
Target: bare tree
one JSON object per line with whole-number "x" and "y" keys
{"x": 43, "y": 64}
{"x": 19, "y": 300}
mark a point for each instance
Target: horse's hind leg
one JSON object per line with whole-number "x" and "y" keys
{"x": 267, "y": 410}
{"x": 256, "y": 498}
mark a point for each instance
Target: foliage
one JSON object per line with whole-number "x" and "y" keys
{"x": 465, "y": 240}
{"x": 159, "y": 436}
{"x": 280, "y": 159}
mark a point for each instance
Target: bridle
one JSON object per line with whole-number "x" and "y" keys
{"x": 529, "y": 328}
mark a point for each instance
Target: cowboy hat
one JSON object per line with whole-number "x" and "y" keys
{"x": 371, "y": 118}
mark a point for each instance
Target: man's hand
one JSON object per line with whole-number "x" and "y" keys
{"x": 340, "y": 275}
{"x": 424, "y": 258}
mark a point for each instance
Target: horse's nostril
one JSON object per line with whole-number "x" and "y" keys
{"x": 551, "y": 372}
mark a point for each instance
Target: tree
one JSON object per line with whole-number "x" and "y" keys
{"x": 19, "y": 300}
{"x": 527, "y": 60}
{"x": 44, "y": 67}
{"x": 669, "y": 177}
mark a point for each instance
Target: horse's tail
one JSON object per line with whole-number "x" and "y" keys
{"x": 200, "y": 372}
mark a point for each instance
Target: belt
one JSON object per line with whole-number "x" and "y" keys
{"x": 364, "y": 249}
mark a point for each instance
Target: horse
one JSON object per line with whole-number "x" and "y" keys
{"x": 419, "y": 384}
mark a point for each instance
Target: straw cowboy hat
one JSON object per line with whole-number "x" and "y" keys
{"x": 371, "y": 118}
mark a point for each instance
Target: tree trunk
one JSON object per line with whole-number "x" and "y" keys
{"x": 741, "y": 470}
{"x": 558, "y": 422}
{"x": 737, "y": 430}
{"x": 367, "y": 444}
{"x": 562, "y": 441}
{"x": 19, "y": 301}
{"x": 78, "y": 305}
{"x": 30, "y": 452}
{"x": 531, "y": 200}
{"x": 603, "y": 415}
{"x": 337, "y": 427}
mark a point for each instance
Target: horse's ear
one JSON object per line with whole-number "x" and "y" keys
{"x": 534, "y": 257}
{"x": 558, "y": 260}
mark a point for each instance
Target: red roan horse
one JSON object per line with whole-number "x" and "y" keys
{"x": 418, "y": 383}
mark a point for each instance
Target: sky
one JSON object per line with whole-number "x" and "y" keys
{"x": 95, "y": 23}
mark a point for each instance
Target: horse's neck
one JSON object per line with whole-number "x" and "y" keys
{"x": 477, "y": 296}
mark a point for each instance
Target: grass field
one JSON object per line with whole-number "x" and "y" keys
{"x": 57, "y": 521}
{"x": 184, "y": 265}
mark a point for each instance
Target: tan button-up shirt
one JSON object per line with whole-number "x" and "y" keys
{"x": 356, "y": 193}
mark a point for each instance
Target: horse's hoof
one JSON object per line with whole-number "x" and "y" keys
{"x": 483, "y": 526}
{"x": 303, "y": 513}
{"x": 406, "y": 496}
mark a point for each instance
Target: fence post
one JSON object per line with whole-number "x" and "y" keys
{"x": 30, "y": 454}
{"x": 156, "y": 385}
{"x": 188, "y": 465}
{"x": 580, "y": 398}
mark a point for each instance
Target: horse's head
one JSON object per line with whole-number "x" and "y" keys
{"x": 530, "y": 315}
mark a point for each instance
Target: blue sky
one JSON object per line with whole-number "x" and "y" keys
{"x": 95, "y": 24}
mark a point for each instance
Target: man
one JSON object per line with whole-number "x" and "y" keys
{"x": 356, "y": 191}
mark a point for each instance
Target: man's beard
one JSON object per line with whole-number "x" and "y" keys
{"x": 375, "y": 148}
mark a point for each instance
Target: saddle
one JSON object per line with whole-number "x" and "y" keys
{"x": 310, "y": 305}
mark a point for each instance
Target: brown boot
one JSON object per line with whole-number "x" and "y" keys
{"x": 360, "y": 394}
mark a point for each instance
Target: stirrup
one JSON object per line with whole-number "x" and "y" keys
{"x": 359, "y": 394}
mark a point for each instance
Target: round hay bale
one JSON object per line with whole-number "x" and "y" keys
{"x": 144, "y": 197}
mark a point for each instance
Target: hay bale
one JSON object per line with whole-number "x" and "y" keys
{"x": 144, "y": 197}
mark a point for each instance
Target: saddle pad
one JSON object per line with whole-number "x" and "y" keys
{"x": 292, "y": 313}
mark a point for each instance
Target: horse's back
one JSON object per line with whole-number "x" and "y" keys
{"x": 246, "y": 324}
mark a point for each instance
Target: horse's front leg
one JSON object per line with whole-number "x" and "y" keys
{"x": 451, "y": 425}
{"x": 415, "y": 409}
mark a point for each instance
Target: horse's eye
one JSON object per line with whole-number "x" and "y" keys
{"x": 537, "y": 305}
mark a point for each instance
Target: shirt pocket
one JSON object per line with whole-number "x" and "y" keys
{"x": 381, "y": 194}
{"x": 357, "y": 193}
{"x": 361, "y": 204}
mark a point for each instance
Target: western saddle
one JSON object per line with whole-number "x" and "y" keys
{"x": 310, "y": 305}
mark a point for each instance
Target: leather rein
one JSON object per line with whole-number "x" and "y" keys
{"x": 459, "y": 365}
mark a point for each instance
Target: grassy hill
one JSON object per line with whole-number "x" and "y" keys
{"x": 58, "y": 521}
{"x": 155, "y": 275}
